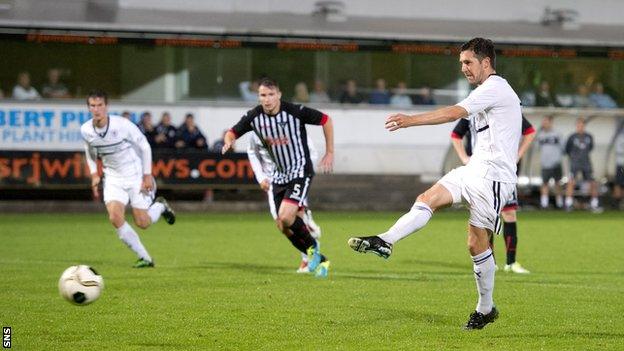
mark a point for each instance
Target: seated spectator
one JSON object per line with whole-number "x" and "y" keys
{"x": 400, "y": 98}
{"x": 1, "y": 94}
{"x": 380, "y": 95}
{"x": 351, "y": 95}
{"x": 53, "y": 88}
{"x": 189, "y": 136}
{"x": 581, "y": 98}
{"x": 127, "y": 115}
{"x": 425, "y": 97}
{"x": 600, "y": 98}
{"x": 249, "y": 91}
{"x": 146, "y": 127}
{"x": 544, "y": 97}
{"x": 218, "y": 145}
{"x": 301, "y": 94}
{"x": 319, "y": 95}
{"x": 23, "y": 90}
{"x": 165, "y": 133}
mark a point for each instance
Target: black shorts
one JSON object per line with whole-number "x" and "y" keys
{"x": 512, "y": 204}
{"x": 295, "y": 191}
{"x": 586, "y": 173}
{"x": 619, "y": 175}
{"x": 553, "y": 173}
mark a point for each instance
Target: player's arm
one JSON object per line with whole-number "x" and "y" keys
{"x": 457, "y": 136}
{"x": 139, "y": 140}
{"x": 95, "y": 177}
{"x": 253, "y": 153}
{"x": 243, "y": 126}
{"x": 528, "y": 135}
{"x": 327, "y": 162}
{"x": 439, "y": 116}
{"x": 458, "y": 145}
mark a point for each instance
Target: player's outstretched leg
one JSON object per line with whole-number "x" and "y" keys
{"x": 381, "y": 245}
{"x": 131, "y": 239}
{"x": 167, "y": 212}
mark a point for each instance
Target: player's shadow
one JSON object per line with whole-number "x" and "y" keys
{"x": 246, "y": 267}
{"x": 407, "y": 314}
{"x": 438, "y": 264}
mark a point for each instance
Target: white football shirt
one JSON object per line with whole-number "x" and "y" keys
{"x": 497, "y": 118}
{"x": 123, "y": 149}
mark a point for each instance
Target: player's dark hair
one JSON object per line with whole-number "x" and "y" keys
{"x": 482, "y": 48}
{"x": 268, "y": 83}
{"x": 97, "y": 93}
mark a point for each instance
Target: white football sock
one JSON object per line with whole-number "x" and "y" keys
{"x": 155, "y": 211}
{"x": 304, "y": 257}
{"x": 410, "y": 222}
{"x": 544, "y": 200}
{"x": 593, "y": 203}
{"x": 569, "y": 201}
{"x": 559, "y": 200}
{"x": 131, "y": 238}
{"x": 484, "y": 270}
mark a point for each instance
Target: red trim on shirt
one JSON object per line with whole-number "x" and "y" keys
{"x": 233, "y": 132}
{"x": 528, "y": 131}
{"x": 324, "y": 119}
{"x": 456, "y": 136}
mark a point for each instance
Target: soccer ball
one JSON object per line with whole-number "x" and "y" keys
{"x": 80, "y": 285}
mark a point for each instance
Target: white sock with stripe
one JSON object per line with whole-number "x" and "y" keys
{"x": 410, "y": 222}
{"x": 131, "y": 238}
{"x": 484, "y": 270}
{"x": 155, "y": 211}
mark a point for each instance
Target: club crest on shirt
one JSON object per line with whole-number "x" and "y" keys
{"x": 282, "y": 124}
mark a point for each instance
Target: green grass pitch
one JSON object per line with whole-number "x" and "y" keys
{"x": 228, "y": 282}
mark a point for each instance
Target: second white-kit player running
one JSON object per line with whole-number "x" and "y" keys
{"x": 127, "y": 165}
{"x": 486, "y": 182}
{"x": 263, "y": 166}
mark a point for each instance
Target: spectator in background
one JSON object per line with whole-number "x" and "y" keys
{"x": 126, "y": 115}
{"x": 544, "y": 97}
{"x": 551, "y": 153}
{"x": 581, "y": 98}
{"x": 380, "y": 95}
{"x": 146, "y": 126}
{"x": 351, "y": 95}
{"x": 1, "y": 94}
{"x": 54, "y": 88}
{"x": 218, "y": 145}
{"x": 619, "y": 168}
{"x": 319, "y": 95}
{"x": 301, "y": 94}
{"x": 425, "y": 97}
{"x": 189, "y": 136}
{"x": 401, "y": 99}
{"x": 600, "y": 99}
{"x": 578, "y": 147}
{"x": 165, "y": 133}
{"x": 249, "y": 91}
{"x": 23, "y": 90}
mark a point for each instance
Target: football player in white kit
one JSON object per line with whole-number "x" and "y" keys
{"x": 263, "y": 167}
{"x": 127, "y": 164}
{"x": 486, "y": 182}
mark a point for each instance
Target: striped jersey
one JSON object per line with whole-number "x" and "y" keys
{"x": 284, "y": 137}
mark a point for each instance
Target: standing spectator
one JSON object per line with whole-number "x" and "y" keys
{"x": 146, "y": 126}
{"x": 425, "y": 97}
{"x": 544, "y": 97}
{"x": 381, "y": 95}
{"x": 301, "y": 94}
{"x": 400, "y": 99}
{"x": 578, "y": 147}
{"x": 249, "y": 91}
{"x": 551, "y": 153}
{"x": 165, "y": 133}
{"x": 581, "y": 98}
{"x": 54, "y": 88}
{"x": 319, "y": 95}
{"x": 619, "y": 168}
{"x": 600, "y": 99}
{"x": 351, "y": 95}
{"x": 23, "y": 90}
{"x": 189, "y": 136}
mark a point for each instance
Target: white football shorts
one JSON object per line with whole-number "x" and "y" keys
{"x": 128, "y": 190}
{"x": 485, "y": 197}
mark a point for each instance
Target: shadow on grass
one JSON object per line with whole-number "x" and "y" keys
{"x": 242, "y": 266}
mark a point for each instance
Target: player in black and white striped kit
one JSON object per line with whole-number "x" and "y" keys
{"x": 281, "y": 128}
